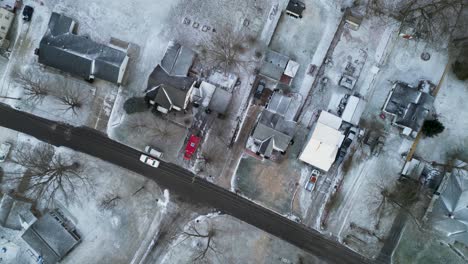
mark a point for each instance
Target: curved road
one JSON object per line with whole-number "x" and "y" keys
{"x": 178, "y": 180}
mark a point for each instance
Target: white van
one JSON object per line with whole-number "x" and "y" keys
{"x": 153, "y": 152}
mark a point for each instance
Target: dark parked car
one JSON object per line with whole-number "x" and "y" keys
{"x": 27, "y": 12}
{"x": 259, "y": 90}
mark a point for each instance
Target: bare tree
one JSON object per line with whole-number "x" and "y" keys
{"x": 109, "y": 201}
{"x": 71, "y": 99}
{"x": 49, "y": 174}
{"x": 224, "y": 51}
{"x": 208, "y": 244}
{"x": 35, "y": 91}
{"x": 430, "y": 19}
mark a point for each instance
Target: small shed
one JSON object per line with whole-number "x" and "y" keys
{"x": 353, "y": 110}
{"x": 291, "y": 68}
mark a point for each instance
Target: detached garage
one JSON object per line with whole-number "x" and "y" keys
{"x": 322, "y": 147}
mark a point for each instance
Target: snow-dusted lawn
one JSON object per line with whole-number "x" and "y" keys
{"x": 235, "y": 242}
{"x": 112, "y": 235}
{"x": 451, "y": 108}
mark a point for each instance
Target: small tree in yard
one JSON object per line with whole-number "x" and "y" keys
{"x": 71, "y": 99}
{"x": 460, "y": 69}
{"x": 35, "y": 91}
{"x": 224, "y": 51}
{"x": 432, "y": 128}
{"x": 48, "y": 174}
{"x": 208, "y": 243}
{"x": 135, "y": 105}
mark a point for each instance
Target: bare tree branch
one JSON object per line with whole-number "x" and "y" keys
{"x": 71, "y": 99}
{"x": 49, "y": 174}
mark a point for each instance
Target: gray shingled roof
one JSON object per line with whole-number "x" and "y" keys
{"x": 274, "y": 132}
{"x": 220, "y": 101}
{"x": 159, "y": 76}
{"x": 12, "y": 210}
{"x": 166, "y": 96}
{"x": 279, "y": 103}
{"x": 61, "y": 49}
{"x": 178, "y": 59}
{"x": 49, "y": 239}
{"x": 273, "y": 65}
{"x": 409, "y": 105}
{"x": 450, "y": 210}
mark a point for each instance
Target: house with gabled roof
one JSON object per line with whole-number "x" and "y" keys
{"x": 62, "y": 49}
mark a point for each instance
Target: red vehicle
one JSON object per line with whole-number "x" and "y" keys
{"x": 191, "y": 147}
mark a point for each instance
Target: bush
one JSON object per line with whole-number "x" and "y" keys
{"x": 461, "y": 70}
{"x": 135, "y": 105}
{"x": 432, "y": 128}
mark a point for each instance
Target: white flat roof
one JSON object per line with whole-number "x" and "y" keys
{"x": 322, "y": 147}
{"x": 330, "y": 120}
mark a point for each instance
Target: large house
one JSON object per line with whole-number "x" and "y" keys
{"x": 409, "y": 106}
{"x": 60, "y": 48}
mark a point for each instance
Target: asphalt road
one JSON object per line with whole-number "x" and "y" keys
{"x": 179, "y": 181}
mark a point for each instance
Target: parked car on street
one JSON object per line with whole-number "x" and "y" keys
{"x": 191, "y": 146}
{"x": 310, "y": 184}
{"x": 4, "y": 150}
{"x": 27, "y": 13}
{"x": 153, "y": 152}
{"x": 149, "y": 161}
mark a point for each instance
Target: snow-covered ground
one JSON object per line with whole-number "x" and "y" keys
{"x": 109, "y": 235}
{"x": 449, "y": 106}
{"x": 233, "y": 242}
{"x": 97, "y": 98}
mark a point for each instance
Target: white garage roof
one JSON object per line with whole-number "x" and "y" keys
{"x": 322, "y": 147}
{"x": 353, "y": 110}
{"x": 330, "y": 120}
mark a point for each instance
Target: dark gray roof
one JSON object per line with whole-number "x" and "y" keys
{"x": 160, "y": 76}
{"x": 296, "y": 7}
{"x": 273, "y": 130}
{"x": 61, "y": 49}
{"x": 220, "y": 101}
{"x": 178, "y": 59}
{"x": 409, "y": 105}
{"x": 49, "y": 238}
{"x": 167, "y": 96}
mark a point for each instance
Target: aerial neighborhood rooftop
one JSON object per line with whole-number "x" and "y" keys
{"x": 266, "y": 131}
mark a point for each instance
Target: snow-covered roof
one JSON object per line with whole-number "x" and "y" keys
{"x": 274, "y": 132}
{"x": 219, "y": 103}
{"x": 177, "y": 59}
{"x": 450, "y": 209}
{"x": 49, "y": 237}
{"x": 291, "y": 68}
{"x": 330, "y": 120}
{"x": 13, "y": 210}
{"x": 353, "y": 110}
{"x": 409, "y": 105}
{"x": 279, "y": 103}
{"x": 322, "y": 147}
